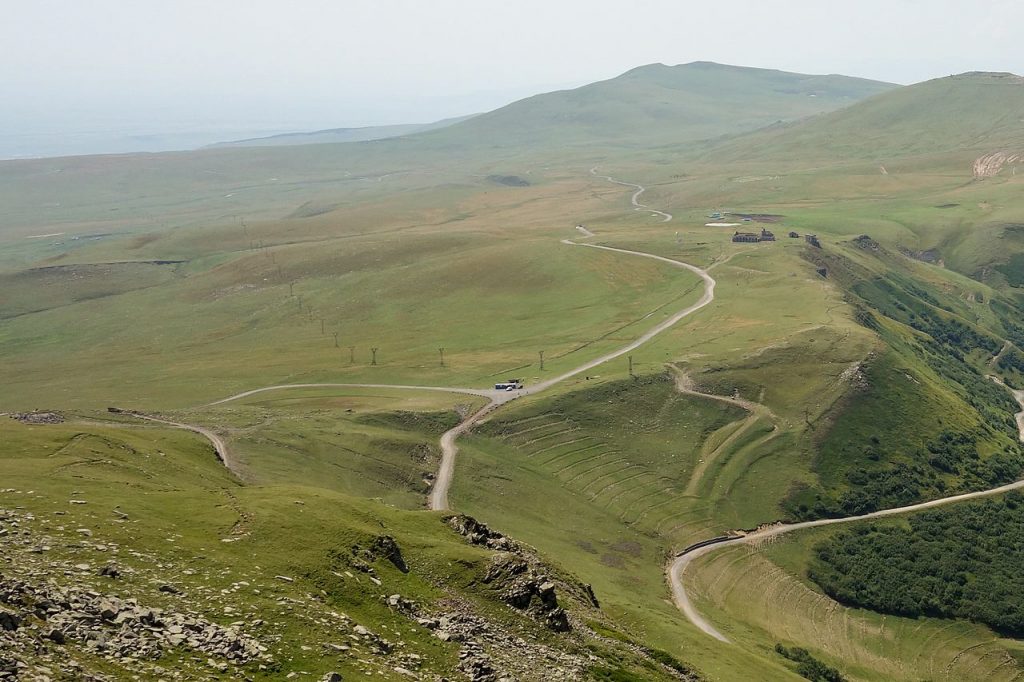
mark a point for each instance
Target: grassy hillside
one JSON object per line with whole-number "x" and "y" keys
{"x": 847, "y": 376}
{"x": 659, "y": 104}
{"x": 143, "y": 524}
{"x": 967, "y": 113}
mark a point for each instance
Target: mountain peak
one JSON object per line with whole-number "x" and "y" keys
{"x": 1001, "y": 76}
{"x": 662, "y": 104}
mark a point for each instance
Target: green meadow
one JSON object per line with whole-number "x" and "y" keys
{"x": 821, "y": 381}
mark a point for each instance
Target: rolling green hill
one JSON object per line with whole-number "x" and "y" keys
{"x": 659, "y": 104}
{"x": 974, "y": 113}
{"x": 820, "y": 381}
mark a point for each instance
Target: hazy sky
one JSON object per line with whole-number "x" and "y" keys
{"x": 180, "y": 66}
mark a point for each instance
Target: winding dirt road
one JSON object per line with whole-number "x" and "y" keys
{"x": 491, "y": 394}
{"x": 675, "y": 571}
{"x": 439, "y": 494}
{"x": 223, "y": 454}
{"x": 438, "y": 499}
{"x": 635, "y": 199}
{"x": 677, "y": 567}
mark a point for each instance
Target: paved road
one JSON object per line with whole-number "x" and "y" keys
{"x": 678, "y": 565}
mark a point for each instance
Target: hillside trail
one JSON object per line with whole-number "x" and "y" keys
{"x": 685, "y": 385}
{"x": 1019, "y": 397}
{"x": 677, "y": 566}
{"x": 223, "y": 454}
{"x": 635, "y": 199}
{"x": 439, "y": 494}
{"x": 1007, "y": 345}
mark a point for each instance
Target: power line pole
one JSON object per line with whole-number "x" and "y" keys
{"x": 630, "y": 365}
{"x": 541, "y": 353}
{"x": 351, "y": 355}
{"x": 373, "y": 353}
{"x": 441, "y": 351}
{"x": 322, "y": 330}
{"x": 335, "y": 339}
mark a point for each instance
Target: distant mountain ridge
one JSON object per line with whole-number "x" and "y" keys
{"x": 646, "y": 106}
{"x": 658, "y": 104}
{"x": 332, "y": 135}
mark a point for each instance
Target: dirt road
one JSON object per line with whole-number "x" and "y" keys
{"x": 439, "y": 494}
{"x": 438, "y": 499}
{"x": 491, "y": 394}
{"x": 677, "y": 567}
{"x": 218, "y": 443}
{"x": 1019, "y": 397}
{"x": 635, "y": 199}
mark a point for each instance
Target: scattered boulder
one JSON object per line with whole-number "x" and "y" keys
{"x": 399, "y": 603}
{"x": 9, "y": 621}
{"x": 505, "y": 567}
{"x": 866, "y": 242}
{"x": 38, "y": 417}
{"x": 382, "y": 546}
{"x": 110, "y": 571}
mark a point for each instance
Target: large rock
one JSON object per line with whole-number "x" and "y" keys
{"x": 382, "y": 546}
{"x": 9, "y": 621}
{"x": 479, "y": 534}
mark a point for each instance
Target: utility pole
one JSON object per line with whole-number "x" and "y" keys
{"x": 630, "y": 365}
{"x": 322, "y": 330}
{"x": 441, "y": 351}
{"x": 335, "y": 339}
{"x": 291, "y": 288}
{"x": 351, "y": 355}
{"x": 373, "y": 354}
{"x": 541, "y": 353}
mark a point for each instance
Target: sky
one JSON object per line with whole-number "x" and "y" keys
{"x": 90, "y": 75}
